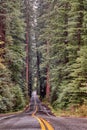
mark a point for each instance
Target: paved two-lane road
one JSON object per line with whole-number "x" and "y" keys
{"x": 39, "y": 117}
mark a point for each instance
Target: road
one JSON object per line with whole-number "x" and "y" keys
{"x": 39, "y": 117}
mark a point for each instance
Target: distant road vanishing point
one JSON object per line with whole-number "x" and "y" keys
{"x": 39, "y": 117}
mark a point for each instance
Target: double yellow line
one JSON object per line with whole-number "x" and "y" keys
{"x": 43, "y": 123}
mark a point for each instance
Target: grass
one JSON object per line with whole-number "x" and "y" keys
{"x": 80, "y": 111}
{"x": 14, "y": 112}
{"x": 77, "y": 112}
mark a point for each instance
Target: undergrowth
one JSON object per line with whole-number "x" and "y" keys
{"x": 80, "y": 111}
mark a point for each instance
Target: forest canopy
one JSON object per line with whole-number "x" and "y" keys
{"x": 43, "y": 46}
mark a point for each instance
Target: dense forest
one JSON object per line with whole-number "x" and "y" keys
{"x": 43, "y": 46}
{"x": 64, "y": 52}
{"x": 13, "y": 90}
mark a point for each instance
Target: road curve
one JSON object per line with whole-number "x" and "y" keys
{"x": 39, "y": 117}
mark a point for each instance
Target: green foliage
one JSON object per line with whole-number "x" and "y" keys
{"x": 2, "y": 51}
{"x": 65, "y": 30}
{"x": 6, "y": 96}
{"x": 15, "y": 48}
{"x": 12, "y": 58}
{"x": 18, "y": 98}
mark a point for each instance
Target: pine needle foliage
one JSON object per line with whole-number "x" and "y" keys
{"x": 12, "y": 57}
{"x": 65, "y": 30}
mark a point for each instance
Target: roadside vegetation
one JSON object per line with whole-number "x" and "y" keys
{"x": 65, "y": 33}
{"x": 12, "y": 56}
{"x": 80, "y": 111}
{"x": 53, "y": 34}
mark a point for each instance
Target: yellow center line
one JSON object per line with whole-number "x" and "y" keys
{"x": 43, "y": 123}
{"x": 48, "y": 125}
{"x": 35, "y": 111}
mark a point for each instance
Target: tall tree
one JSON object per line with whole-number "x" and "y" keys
{"x": 66, "y": 33}
{"x": 12, "y": 83}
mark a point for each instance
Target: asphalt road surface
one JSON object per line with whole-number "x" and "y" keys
{"x": 39, "y": 117}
